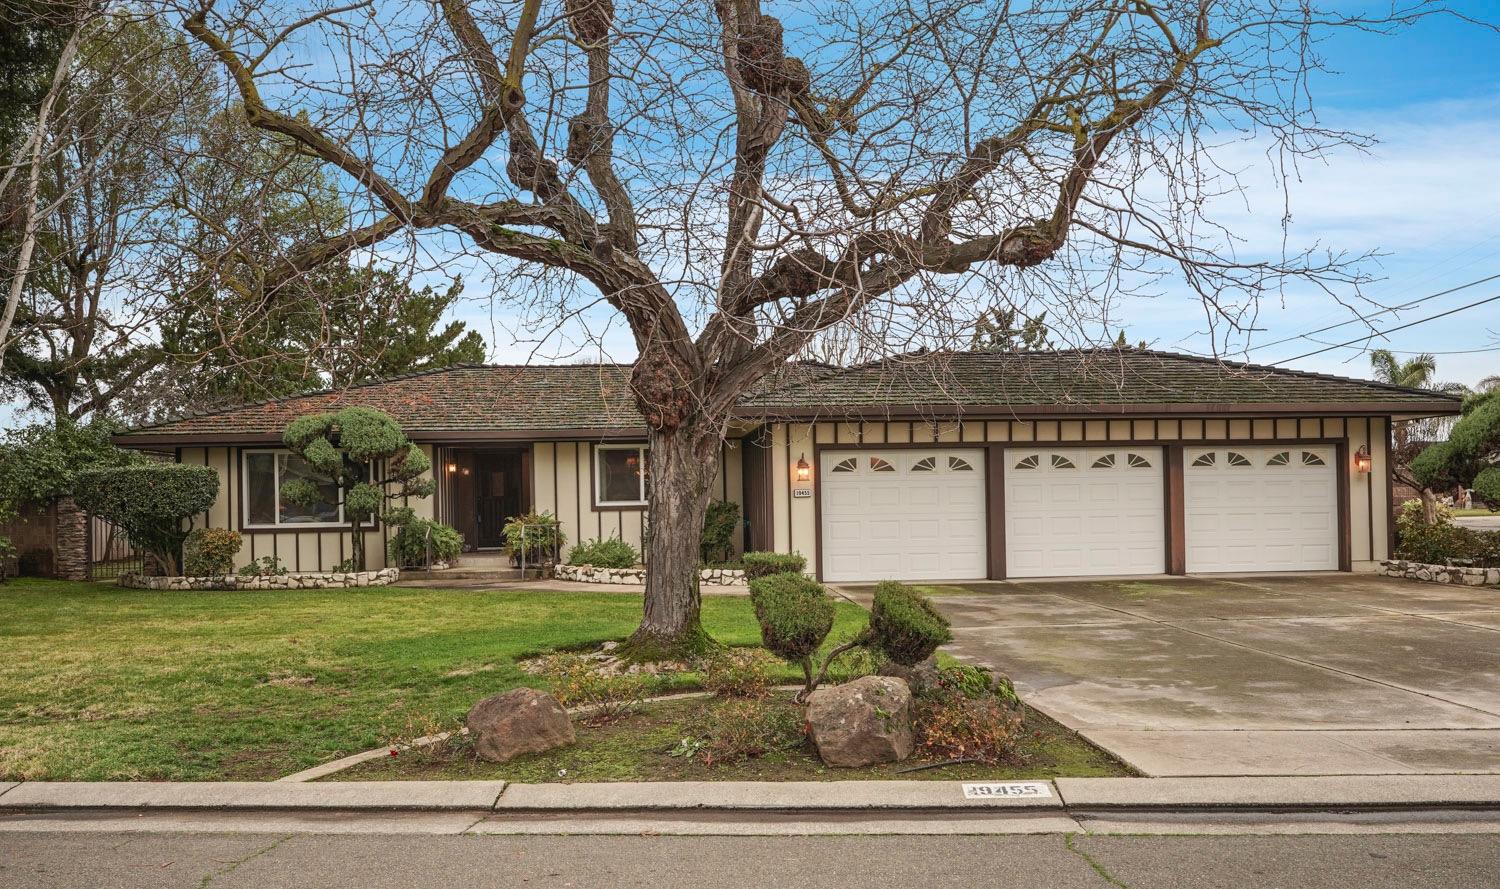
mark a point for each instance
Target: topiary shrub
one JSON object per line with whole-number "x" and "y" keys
{"x": 604, "y": 552}
{"x": 719, "y": 525}
{"x": 416, "y": 537}
{"x": 904, "y": 625}
{"x": 795, "y": 616}
{"x": 210, "y": 552}
{"x": 150, "y": 502}
{"x": 762, "y": 564}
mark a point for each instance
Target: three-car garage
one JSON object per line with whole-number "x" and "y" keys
{"x": 945, "y": 513}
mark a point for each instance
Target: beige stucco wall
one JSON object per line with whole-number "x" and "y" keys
{"x": 1369, "y": 515}
{"x": 310, "y": 550}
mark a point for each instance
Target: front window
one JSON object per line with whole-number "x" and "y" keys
{"x": 266, "y": 472}
{"x": 620, "y": 477}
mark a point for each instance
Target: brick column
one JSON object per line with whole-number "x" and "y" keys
{"x": 72, "y": 541}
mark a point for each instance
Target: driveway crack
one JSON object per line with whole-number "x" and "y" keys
{"x": 1093, "y": 862}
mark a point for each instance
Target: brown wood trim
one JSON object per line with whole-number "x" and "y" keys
{"x": 1341, "y": 456}
{"x": 1390, "y": 489}
{"x": 994, "y": 478}
{"x": 1370, "y": 483}
{"x": 1157, "y": 443}
{"x": 934, "y": 413}
{"x": 1175, "y": 509}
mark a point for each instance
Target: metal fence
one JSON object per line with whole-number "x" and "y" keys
{"x": 110, "y": 551}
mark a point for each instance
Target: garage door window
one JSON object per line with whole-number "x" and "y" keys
{"x": 880, "y": 464}
{"x": 926, "y": 464}
{"x": 1311, "y": 459}
{"x": 849, "y": 465}
{"x": 1136, "y": 461}
{"x": 1281, "y": 459}
{"x": 959, "y": 464}
{"x": 1031, "y": 462}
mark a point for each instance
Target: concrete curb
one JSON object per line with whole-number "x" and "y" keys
{"x": 240, "y": 795}
{"x": 1069, "y": 795}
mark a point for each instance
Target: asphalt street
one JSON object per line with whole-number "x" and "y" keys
{"x": 114, "y": 860}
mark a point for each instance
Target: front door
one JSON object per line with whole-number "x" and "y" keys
{"x": 498, "y": 489}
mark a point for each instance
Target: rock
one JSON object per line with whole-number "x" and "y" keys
{"x": 520, "y": 721}
{"x": 918, "y": 679}
{"x": 862, "y": 723}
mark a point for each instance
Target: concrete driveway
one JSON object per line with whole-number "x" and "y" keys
{"x": 1269, "y": 675}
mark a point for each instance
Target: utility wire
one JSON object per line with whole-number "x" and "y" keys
{"x": 1311, "y": 333}
{"x": 1380, "y": 333}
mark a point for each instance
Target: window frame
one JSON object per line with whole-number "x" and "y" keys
{"x": 278, "y": 525}
{"x": 643, "y": 451}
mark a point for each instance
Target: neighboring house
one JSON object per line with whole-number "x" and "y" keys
{"x": 938, "y": 466}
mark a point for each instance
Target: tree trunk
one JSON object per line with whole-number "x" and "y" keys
{"x": 356, "y": 544}
{"x": 1429, "y": 505}
{"x": 683, "y": 463}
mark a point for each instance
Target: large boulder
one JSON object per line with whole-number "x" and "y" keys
{"x": 918, "y": 678}
{"x": 521, "y": 721}
{"x": 862, "y": 723}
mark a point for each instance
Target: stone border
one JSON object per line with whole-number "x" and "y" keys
{"x": 303, "y": 580}
{"x": 1438, "y": 573}
{"x": 591, "y": 574}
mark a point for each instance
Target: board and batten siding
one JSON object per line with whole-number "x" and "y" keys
{"x": 795, "y": 520}
{"x": 299, "y": 550}
{"x": 562, "y": 483}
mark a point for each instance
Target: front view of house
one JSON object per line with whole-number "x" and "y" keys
{"x": 954, "y": 466}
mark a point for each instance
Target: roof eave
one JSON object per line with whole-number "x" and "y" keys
{"x": 1014, "y": 411}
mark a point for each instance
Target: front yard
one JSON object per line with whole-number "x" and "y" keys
{"x": 103, "y": 683}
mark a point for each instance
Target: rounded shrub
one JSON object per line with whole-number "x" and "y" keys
{"x": 409, "y": 546}
{"x": 149, "y": 502}
{"x": 795, "y": 614}
{"x": 210, "y": 552}
{"x": 763, "y": 564}
{"x": 604, "y": 552}
{"x": 905, "y": 625}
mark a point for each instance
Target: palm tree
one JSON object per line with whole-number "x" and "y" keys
{"x": 1409, "y": 437}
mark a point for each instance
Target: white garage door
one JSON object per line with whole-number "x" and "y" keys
{"x": 1083, "y": 511}
{"x": 1261, "y": 508}
{"x": 903, "y": 515}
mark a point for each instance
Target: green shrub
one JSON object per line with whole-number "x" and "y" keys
{"x": 719, "y": 525}
{"x": 746, "y": 728}
{"x": 904, "y": 625}
{"x": 538, "y": 535}
{"x": 210, "y": 552}
{"x": 952, "y": 723}
{"x": 737, "y": 673}
{"x": 1443, "y": 541}
{"x": 604, "y": 552}
{"x": 265, "y": 566}
{"x": 578, "y": 681}
{"x": 795, "y": 616}
{"x": 1487, "y": 485}
{"x": 149, "y": 502}
{"x": 409, "y": 547}
{"x": 765, "y": 564}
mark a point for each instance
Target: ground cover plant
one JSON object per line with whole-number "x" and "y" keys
{"x": 105, "y": 683}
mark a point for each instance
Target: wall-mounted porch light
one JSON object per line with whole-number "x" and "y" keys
{"x": 452, "y": 468}
{"x": 1363, "y": 462}
{"x": 804, "y": 470}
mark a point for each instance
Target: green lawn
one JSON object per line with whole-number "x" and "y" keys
{"x": 1475, "y": 511}
{"x": 103, "y": 683}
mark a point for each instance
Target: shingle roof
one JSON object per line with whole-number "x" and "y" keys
{"x": 597, "y": 397}
{"x": 1078, "y": 379}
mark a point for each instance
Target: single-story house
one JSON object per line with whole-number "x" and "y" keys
{"x": 947, "y": 466}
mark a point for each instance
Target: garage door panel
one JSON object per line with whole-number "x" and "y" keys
{"x": 1083, "y": 511}
{"x": 921, "y": 519}
{"x": 1271, "y": 511}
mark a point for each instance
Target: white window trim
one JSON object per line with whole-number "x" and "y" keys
{"x": 278, "y": 525}
{"x": 599, "y": 500}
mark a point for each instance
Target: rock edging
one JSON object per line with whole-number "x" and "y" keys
{"x": 302, "y": 580}
{"x": 1438, "y": 573}
{"x": 592, "y": 574}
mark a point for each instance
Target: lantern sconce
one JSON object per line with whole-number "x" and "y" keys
{"x": 452, "y": 468}
{"x": 1363, "y": 462}
{"x": 804, "y": 470}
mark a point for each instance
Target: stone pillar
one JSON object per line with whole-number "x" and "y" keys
{"x": 72, "y": 541}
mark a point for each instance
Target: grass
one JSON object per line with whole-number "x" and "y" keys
{"x": 104, "y": 683}
{"x": 1475, "y": 511}
{"x": 637, "y": 748}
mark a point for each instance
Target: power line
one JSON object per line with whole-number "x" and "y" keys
{"x": 1375, "y": 333}
{"x": 1311, "y": 333}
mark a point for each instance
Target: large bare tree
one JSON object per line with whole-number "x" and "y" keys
{"x": 733, "y": 185}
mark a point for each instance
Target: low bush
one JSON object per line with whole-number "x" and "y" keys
{"x": 737, "y": 673}
{"x": 966, "y": 714}
{"x": 210, "y": 552}
{"x": 1443, "y": 541}
{"x": 265, "y": 566}
{"x": 795, "y": 615}
{"x": 409, "y": 546}
{"x": 537, "y": 535}
{"x": 904, "y": 625}
{"x": 746, "y": 728}
{"x": 604, "y": 552}
{"x": 719, "y": 525}
{"x": 578, "y": 681}
{"x": 149, "y": 502}
{"x": 762, "y": 564}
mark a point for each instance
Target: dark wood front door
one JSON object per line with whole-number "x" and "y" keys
{"x": 499, "y": 492}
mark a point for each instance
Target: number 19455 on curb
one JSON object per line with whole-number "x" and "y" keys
{"x": 1008, "y": 789}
